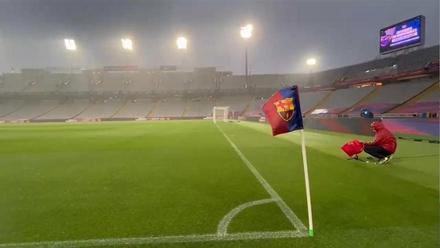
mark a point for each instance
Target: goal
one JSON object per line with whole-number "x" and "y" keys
{"x": 220, "y": 113}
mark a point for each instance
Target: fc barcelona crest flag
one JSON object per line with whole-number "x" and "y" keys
{"x": 283, "y": 111}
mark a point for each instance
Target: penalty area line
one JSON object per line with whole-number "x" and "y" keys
{"x": 160, "y": 239}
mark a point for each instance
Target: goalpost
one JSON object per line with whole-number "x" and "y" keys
{"x": 220, "y": 113}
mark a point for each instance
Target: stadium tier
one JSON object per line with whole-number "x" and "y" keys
{"x": 102, "y": 108}
{"x": 12, "y": 83}
{"x": 30, "y": 110}
{"x": 393, "y": 85}
{"x": 169, "y": 107}
{"x": 425, "y": 102}
{"x": 9, "y": 106}
{"x": 371, "y": 69}
{"x": 199, "y": 107}
{"x": 235, "y": 103}
{"x": 65, "y": 110}
{"x": 338, "y": 100}
{"x": 384, "y": 98}
{"x": 135, "y": 108}
{"x": 418, "y": 59}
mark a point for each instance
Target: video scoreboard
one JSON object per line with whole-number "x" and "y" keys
{"x": 402, "y": 35}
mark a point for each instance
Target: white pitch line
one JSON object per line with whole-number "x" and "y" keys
{"x": 158, "y": 240}
{"x": 296, "y": 222}
{"x": 222, "y": 228}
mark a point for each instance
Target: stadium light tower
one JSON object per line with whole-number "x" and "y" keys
{"x": 182, "y": 43}
{"x": 70, "y": 44}
{"x": 246, "y": 34}
{"x": 127, "y": 44}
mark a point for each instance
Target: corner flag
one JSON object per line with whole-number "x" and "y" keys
{"x": 283, "y": 112}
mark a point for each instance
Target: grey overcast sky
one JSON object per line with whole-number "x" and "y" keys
{"x": 337, "y": 32}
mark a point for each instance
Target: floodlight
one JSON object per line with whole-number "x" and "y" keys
{"x": 311, "y": 61}
{"x": 182, "y": 43}
{"x": 127, "y": 44}
{"x": 246, "y": 31}
{"x": 70, "y": 44}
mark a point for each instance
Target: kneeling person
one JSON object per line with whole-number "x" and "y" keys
{"x": 384, "y": 144}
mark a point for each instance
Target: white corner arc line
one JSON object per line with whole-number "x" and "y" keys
{"x": 296, "y": 222}
{"x": 158, "y": 240}
{"x": 222, "y": 228}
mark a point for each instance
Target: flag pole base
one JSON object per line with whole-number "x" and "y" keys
{"x": 311, "y": 233}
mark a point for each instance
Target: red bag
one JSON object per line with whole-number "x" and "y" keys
{"x": 353, "y": 147}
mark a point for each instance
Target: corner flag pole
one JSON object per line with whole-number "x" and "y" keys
{"x": 306, "y": 177}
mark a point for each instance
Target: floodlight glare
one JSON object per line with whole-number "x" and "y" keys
{"x": 246, "y": 31}
{"x": 127, "y": 44}
{"x": 311, "y": 61}
{"x": 70, "y": 44}
{"x": 182, "y": 43}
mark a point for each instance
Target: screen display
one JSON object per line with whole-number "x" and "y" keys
{"x": 402, "y": 35}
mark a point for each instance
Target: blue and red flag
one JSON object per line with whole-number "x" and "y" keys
{"x": 283, "y": 111}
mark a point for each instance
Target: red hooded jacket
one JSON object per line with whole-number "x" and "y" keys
{"x": 383, "y": 138}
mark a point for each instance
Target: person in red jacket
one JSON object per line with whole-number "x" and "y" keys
{"x": 384, "y": 144}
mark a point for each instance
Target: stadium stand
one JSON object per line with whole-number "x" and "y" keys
{"x": 199, "y": 107}
{"x": 204, "y": 80}
{"x": 135, "y": 108}
{"x": 66, "y": 110}
{"x": 309, "y": 100}
{"x": 325, "y": 78}
{"x": 173, "y": 83}
{"x": 101, "y": 109}
{"x": 418, "y": 59}
{"x": 235, "y": 103}
{"x": 9, "y": 106}
{"x": 142, "y": 82}
{"x": 107, "y": 82}
{"x": 388, "y": 96}
{"x": 399, "y": 84}
{"x": 169, "y": 107}
{"x": 340, "y": 100}
{"x": 30, "y": 110}
{"x": 232, "y": 83}
{"x": 370, "y": 69}
{"x": 255, "y": 107}
{"x": 425, "y": 102}
{"x": 267, "y": 82}
{"x": 12, "y": 83}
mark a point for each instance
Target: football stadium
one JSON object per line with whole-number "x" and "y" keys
{"x": 181, "y": 154}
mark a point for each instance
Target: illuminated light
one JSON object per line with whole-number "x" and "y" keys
{"x": 311, "y": 61}
{"x": 127, "y": 44}
{"x": 319, "y": 111}
{"x": 70, "y": 44}
{"x": 182, "y": 43}
{"x": 246, "y": 31}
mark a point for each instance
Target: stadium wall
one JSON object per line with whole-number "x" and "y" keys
{"x": 404, "y": 126}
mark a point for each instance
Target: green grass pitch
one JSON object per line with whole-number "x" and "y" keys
{"x": 130, "y": 182}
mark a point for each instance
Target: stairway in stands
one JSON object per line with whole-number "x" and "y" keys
{"x": 120, "y": 108}
{"x": 151, "y": 112}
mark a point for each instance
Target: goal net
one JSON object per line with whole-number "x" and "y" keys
{"x": 220, "y": 113}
